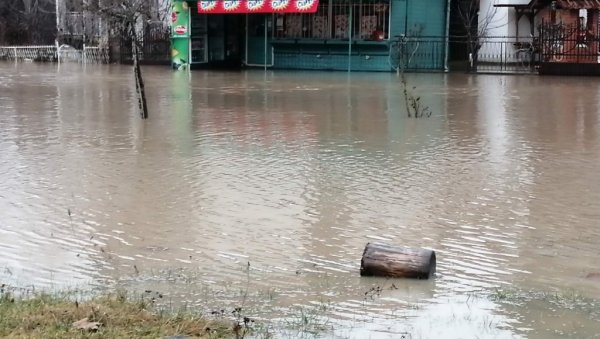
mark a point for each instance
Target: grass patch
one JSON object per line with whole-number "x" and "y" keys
{"x": 568, "y": 299}
{"x": 52, "y": 316}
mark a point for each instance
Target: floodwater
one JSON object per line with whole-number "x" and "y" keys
{"x": 261, "y": 190}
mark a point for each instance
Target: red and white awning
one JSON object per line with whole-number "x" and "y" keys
{"x": 257, "y": 6}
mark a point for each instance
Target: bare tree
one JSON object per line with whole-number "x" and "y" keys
{"x": 402, "y": 52}
{"x": 27, "y": 21}
{"x": 477, "y": 22}
{"x": 3, "y": 21}
{"x": 126, "y": 19}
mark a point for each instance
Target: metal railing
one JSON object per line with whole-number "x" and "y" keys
{"x": 570, "y": 51}
{"x": 154, "y": 47}
{"x": 506, "y": 55}
{"x": 417, "y": 53}
{"x": 83, "y": 24}
{"x": 28, "y": 53}
{"x": 67, "y": 53}
{"x": 95, "y": 55}
{"x": 568, "y": 43}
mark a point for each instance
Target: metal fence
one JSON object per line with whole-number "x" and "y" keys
{"x": 570, "y": 51}
{"x": 482, "y": 55}
{"x": 51, "y": 53}
{"x": 568, "y": 43}
{"x": 154, "y": 46}
{"x": 82, "y": 24}
{"x": 567, "y": 49}
{"x": 556, "y": 49}
{"x": 28, "y": 53}
{"x": 95, "y": 55}
{"x": 418, "y": 53}
{"x": 120, "y": 52}
{"x": 67, "y": 53}
{"x": 506, "y": 55}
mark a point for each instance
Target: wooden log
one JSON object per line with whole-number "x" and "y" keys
{"x": 397, "y": 261}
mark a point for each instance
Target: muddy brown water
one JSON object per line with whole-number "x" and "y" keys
{"x": 292, "y": 174}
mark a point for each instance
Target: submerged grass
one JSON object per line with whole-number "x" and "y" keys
{"x": 119, "y": 316}
{"x": 565, "y": 300}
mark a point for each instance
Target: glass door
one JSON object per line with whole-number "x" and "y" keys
{"x": 199, "y": 39}
{"x": 257, "y": 43}
{"x": 216, "y": 32}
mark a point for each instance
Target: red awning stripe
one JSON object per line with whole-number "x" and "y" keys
{"x": 257, "y": 6}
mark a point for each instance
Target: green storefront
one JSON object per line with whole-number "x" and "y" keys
{"x": 337, "y": 35}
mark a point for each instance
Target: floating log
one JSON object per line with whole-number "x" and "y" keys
{"x": 397, "y": 261}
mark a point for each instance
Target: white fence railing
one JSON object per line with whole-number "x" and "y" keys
{"x": 28, "y": 53}
{"x": 95, "y": 55}
{"x": 52, "y": 53}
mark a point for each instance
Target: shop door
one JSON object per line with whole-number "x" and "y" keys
{"x": 226, "y": 38}
{"x": 256, "y": 40}
{"x": 199, "y": 39}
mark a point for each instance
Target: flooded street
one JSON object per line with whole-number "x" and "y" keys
{"x": 262, "y": 189}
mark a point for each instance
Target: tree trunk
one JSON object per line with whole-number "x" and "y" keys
{"x": 397, "y": 262}
{"x": 139, "y": 81}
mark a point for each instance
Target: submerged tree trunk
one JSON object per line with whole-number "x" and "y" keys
{"x": 397, "y": 262}
{"x": 139, "y": 81}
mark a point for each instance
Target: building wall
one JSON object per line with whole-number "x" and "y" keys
{"x": 498, "y": 29}
{"x": 493, "y": 26}
{"x": 430, "y": 15}
{"x": 332, "y": 57}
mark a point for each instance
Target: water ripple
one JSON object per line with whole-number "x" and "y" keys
{"x": 292, "y": 179}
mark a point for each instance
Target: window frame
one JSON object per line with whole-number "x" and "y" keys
{"x": 358, "y": 8}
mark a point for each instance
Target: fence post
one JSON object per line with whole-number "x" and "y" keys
{"x": 15, "y": 50}
{"x": 350, "y": 39}
{"x": 57, "y": 51}
{"x": 502, "y": 58}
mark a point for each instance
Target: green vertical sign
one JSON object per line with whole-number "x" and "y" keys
{"x": 180, "y": 34}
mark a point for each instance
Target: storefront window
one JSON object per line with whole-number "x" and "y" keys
{"x": 370, "y": 21}
{"x": 256, "y": 25}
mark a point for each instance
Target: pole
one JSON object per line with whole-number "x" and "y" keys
{"x": 447, "y": 39}
{"x": 265, "y": 42}
{"x": 350, "y": 40}
{"x": 246, "y": 42}
{"x": 405, "y": 17}
{"x": 57, "y": 9}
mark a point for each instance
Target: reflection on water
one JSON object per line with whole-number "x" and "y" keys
{"x": 292, "y": 173}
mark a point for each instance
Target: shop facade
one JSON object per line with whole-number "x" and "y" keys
{"x": 352, "y": 35}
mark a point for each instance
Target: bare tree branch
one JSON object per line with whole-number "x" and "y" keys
{"x": 27, "y": 21}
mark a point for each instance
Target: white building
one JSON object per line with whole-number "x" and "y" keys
{"x": 504, "y": 25}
